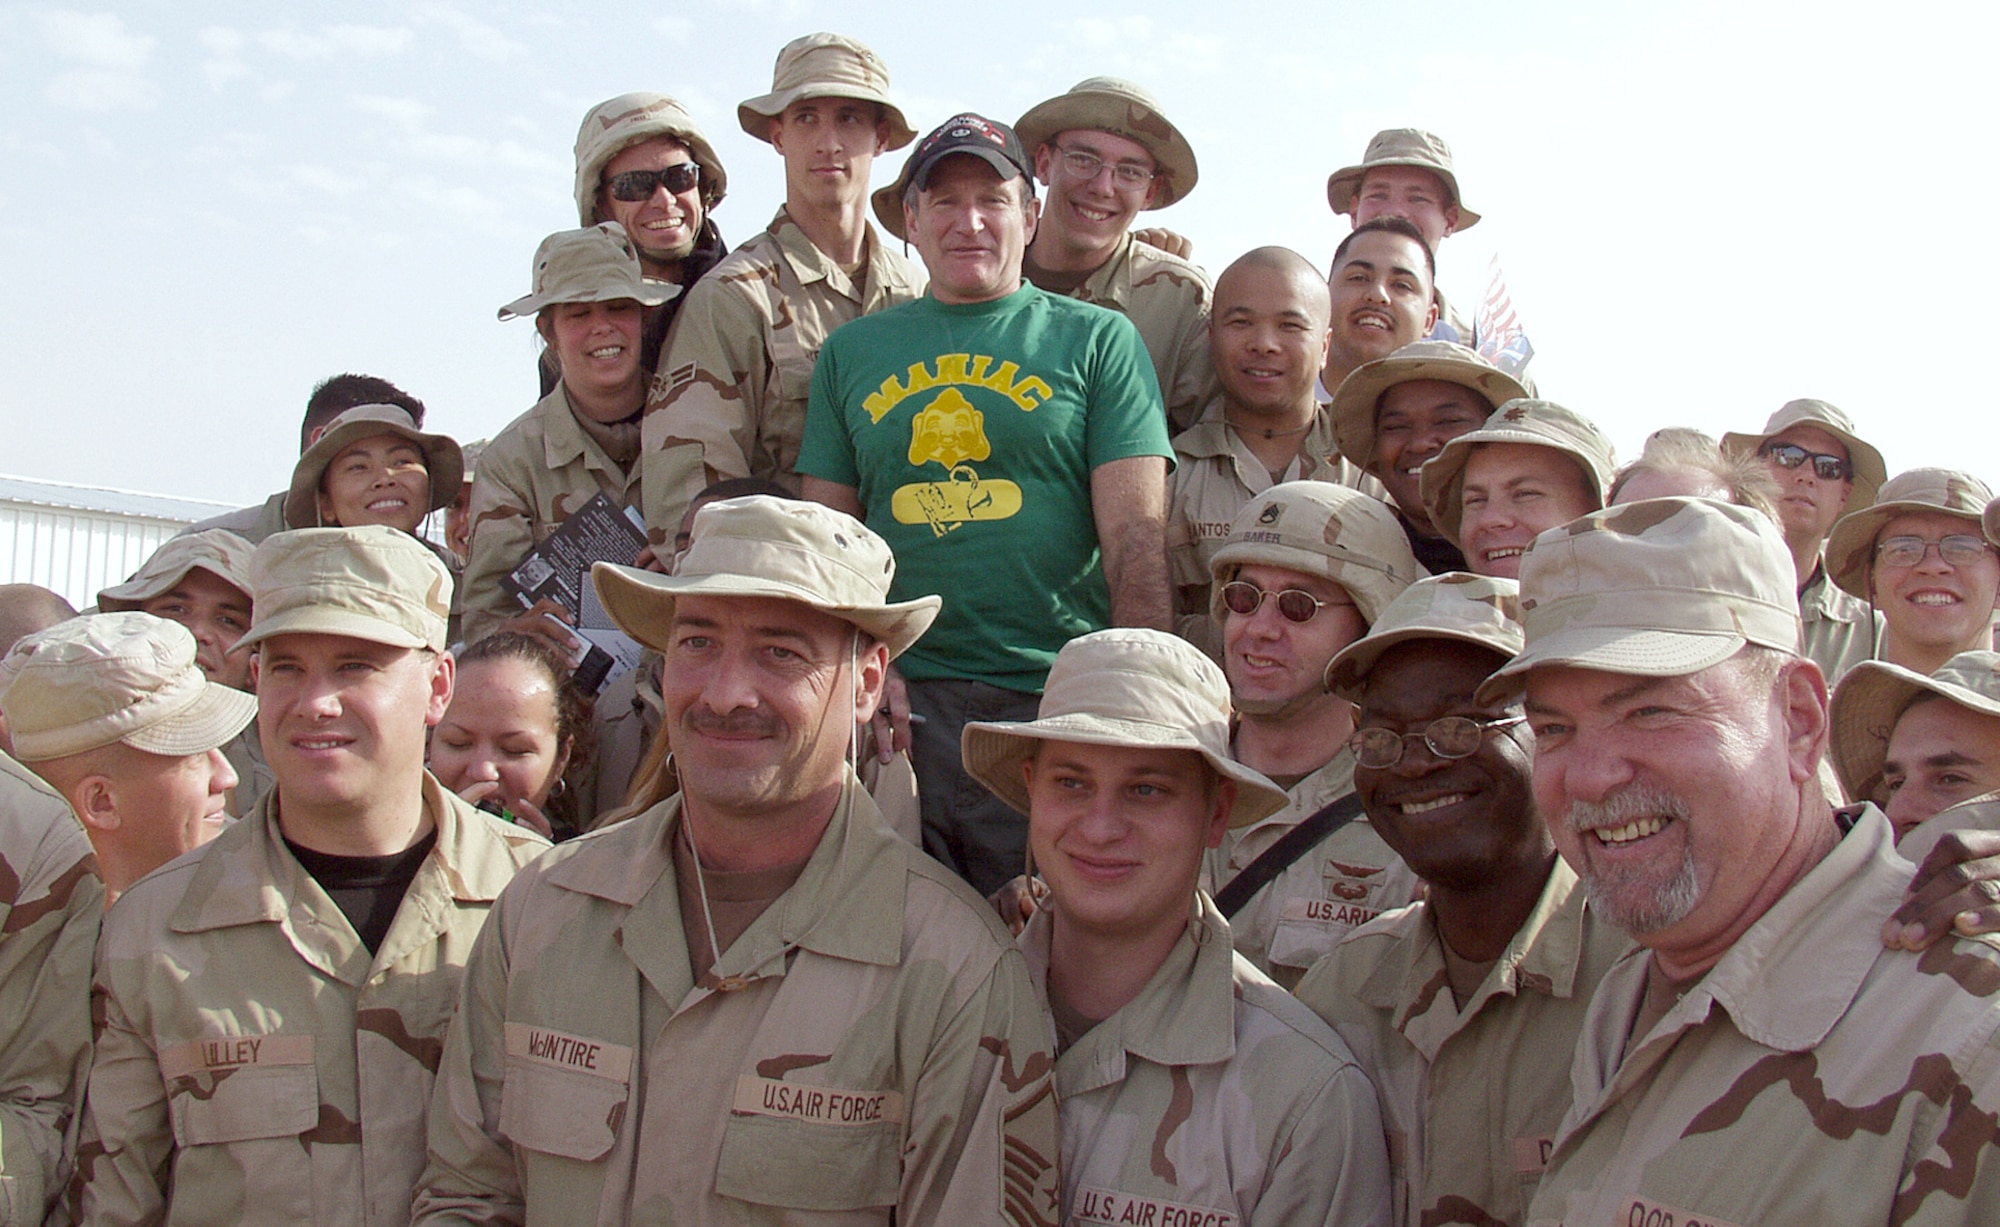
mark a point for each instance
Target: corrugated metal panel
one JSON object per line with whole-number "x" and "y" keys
{"x": 76, "y": 553}
{"x": 36, "y": 493}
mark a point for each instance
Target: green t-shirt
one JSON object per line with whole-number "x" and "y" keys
{"x": 970, "y": 431}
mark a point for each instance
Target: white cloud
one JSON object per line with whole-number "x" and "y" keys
{"x": 323, "y": 179}
{"x": 478, "y": 38}
{"x": 1102, "y": 32}
{"x": 225, "y": 55}
{"x": 405, "y": 111}
{"x": 674, "y": 29}
{"x": 98, "y": 39}
{"x": 99, "y": 89}
{"x": 330, "y": 41}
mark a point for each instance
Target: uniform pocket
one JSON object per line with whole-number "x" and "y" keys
{"x": 563, "y": 1095}
{"x": 775, "y": 1161}
{"x": 242, "y": 1104}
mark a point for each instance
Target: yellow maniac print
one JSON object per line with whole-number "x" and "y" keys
{"x": 951, "y": 431}
{"x": 971, "y": 370}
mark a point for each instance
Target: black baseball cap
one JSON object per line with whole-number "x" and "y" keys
{"x": 988, "y": 140}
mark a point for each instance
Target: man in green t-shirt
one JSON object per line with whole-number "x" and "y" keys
{"x": 1011, "y": 447}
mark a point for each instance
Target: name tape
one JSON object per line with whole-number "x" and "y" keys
{"x": 1328, "y": 912}
{"x": 576, "y": 1053}
{"x": 822, "y": 1105}
{"x": 1639, "y": 1212}
{"x": 235, "y": 1052}
{"x": 1108, "y": 1206}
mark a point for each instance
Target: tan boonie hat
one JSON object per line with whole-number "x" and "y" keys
{"x": 1399, "y": 147}
{"x": 596, "y": 264}
{"x": 1483, "y": 610}
{"x": 217, "y": 551}
{"x": 112, "y": 677}
{"x": 472, "y": 452}
{"x": 1850, "y": 548}
{"x": 371, "y": 582}
{"x": 1109, "y": 104}
{"x": 1869, "y": 472}
{"x": 1538, "y": 423}
{"x": 442, "y": 459}
{"x": 1127, "y": 686}
{"x": 762, "y": 546}
{"x": 825, "y": 66}
{"x": 613, "y": 127}
{"x": 1357, "y": 397}
{"x": 1875, "y": 694}
{"x": 1318, "y": 528}
{"x": 1657, "y": 588}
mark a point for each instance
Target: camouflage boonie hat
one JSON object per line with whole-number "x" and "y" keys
{"x": 595, "y": 264}
{"x": 371, "y": 582}
{"x": 1850, "y": 548}
{"x": 1869, "y": 472}
{"x": 472, "y": 452}
{"x": 1318, "y": 528}
{"x": 1875, "y": 694}
{"x": 613, "y": 127}
{"x": 824, "y": 66}
{"x": 1658, "y": 588}
{"x": 1127, "y": 686}
{"x": 217, "y": 551}
{"x": 1399, "y": 147}
{"x": 442, "y": 459}
{"x": 1539, "y": 423}
{"x": 1482, "y": 610}
{"x": 1356, "y": 399}
{"x": 1110, "y": 104}
{"x": 115, "y": 677}
{"x": 761, "y": 546}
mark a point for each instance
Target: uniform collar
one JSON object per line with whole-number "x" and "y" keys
{"x": 1211, "y": 438}
{"x": 563, "y": 440}
{"x": 1110, "y": 284}
{"x": 810, "y": 264}
{"x": 1822, "y": 600}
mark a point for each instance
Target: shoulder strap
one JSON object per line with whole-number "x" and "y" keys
{"x": 1279, "y": 856}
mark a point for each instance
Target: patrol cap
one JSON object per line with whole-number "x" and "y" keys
{"x": 760, "y": 546}
{"x": 369, "y": 582}
{"x": 1318, "y": 528}
{"x": 1869, "y": 472}
{"x": 217, "y": 551}
{"x": 1657, "y": 588}
{"x": 1538, "y": 423}
{"x": 1358, "y": 396}
{"x": 115, "y": 677}
{"x": 1875, "y": 694}
{"x": 1127, "y": 686}
{"x": 442, "y": 459}
{"x": 1117, "y": 106}
{"x": 825, "y": 66}
{"x": 595, "y": 264}
{"x": 1482, "y": 610}
{"x": 990, "y": 141}
{"x": 614, "y": 126}
{"x": 1399, "y": 147}
{"x": 1850, "y": 548}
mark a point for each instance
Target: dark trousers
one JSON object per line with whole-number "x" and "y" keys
{"x": 979, "y": 836}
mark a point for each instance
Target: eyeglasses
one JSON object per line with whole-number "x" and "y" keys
{"x": 1296, "y": 604}
{"x": 1086, "y": 165}
{"x": 1959, "y": 550}
{"x": 636, "y": 185}
{"x": 1447, "y": 737}
{"x": 1791, "y": 456}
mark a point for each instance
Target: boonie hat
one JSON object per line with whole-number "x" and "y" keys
{"x": 825, "y": 66}
{"x": 1318, "y": 528}
{"x": 1875, "y": 694}
{"x": 442, "y": 459}
{"x": 1538, "y": 423}
{"x": 1110, "y": 104}
{"x": 772, "y": 547}
{"x": 370, "y": 582}
{"x": 1657, "y": 588}
{"x": 113, "y": 677}
{"x": 1357, "y": 397}
{"x": 616, "y": 125}
{"x": 1399, "y": 147}
{"x": 1850, "y": 548}
{"x": 1869, "y": 472}
{"x": 217, "y": 551}
{"x": 595, "y": 264}
{"x": 1127, "y": 686}
{"x": 991, "y": 142}
{"x": 1482, "y": 610}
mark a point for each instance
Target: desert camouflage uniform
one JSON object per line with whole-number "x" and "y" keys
{"x": 737, "y": 368}
{"x": 50, "y": 903}
{"x": 253, "y": 775}
{"x": 253, "y": 523}
{"x": 1812, "y": 1076}
{"x": 1342, "y": 882}
{"x": 1840, "y": 628}
{"x": 1168, "y": 299}
{"x": 1213, "y": 1098}
{"x": 869, "y": 1050}
{"x": 1471, "y": 1096}
{"x": 537, "y": 471}
{"x": 254, "y": 1063}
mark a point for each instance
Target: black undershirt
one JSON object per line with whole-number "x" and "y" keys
{"x": 1437, "y": 554}
{"x": 368, "y": 889}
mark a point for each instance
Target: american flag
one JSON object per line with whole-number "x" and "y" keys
{"x": 1502, "y": 341}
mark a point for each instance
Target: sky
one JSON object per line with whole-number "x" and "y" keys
{"x": 1703, "y": 209}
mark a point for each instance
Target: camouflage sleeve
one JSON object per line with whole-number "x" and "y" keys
{"x": 983, "y": 1129}
{"x": 709, "y": 394}
{"x": 126, "y": 1143}
{"x": 1189, "y": 383}
{"x": 503, "y": 532}
{"x": 46, "y": 941}
{"x": 1955, "y": 1182}
{"x": 1333, "y": 1165}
